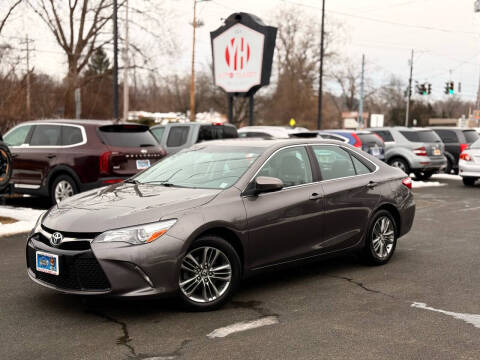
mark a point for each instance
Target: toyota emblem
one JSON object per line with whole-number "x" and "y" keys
{"x": 56, "y": 239}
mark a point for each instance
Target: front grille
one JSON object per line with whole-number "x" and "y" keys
{"x": 68, "y": 245}
{"x": 77, "y": 272}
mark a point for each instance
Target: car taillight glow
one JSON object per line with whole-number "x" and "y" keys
{"x": 217, "y": 123}
{"x": 112, "y": 181}
{"x": 465, "y": 156}
{"x": 358, "y": 142}
{"x": 463, "y": 147}
{"x": 421, "y": 151}
{"x": 104, "y": 162}
{"x": 407, "y": 182}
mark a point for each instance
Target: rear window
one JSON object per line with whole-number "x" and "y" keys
{"x": 158, "y": 132}
{"x": 471, "y": 136}
{"x": 447, "y": 136}
{"x": 427, "y": 136}
{"x": 385, "y": 135}
{"x": 127, "y": 136}
{"x": 370, "y": 139}
{"x": 177, "y": 136}
{"x": 215, "y": 132}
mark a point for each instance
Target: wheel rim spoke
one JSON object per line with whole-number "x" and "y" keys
{"x": 383, "y": 237}
{"x": 205, "y": 274}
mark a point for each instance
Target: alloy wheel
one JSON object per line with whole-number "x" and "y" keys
{"x": 383, "y": 237}
{"x": 63, "y": 190}
{"x": 399, "y": 164}
{"x": 206, "y": 274}
{"x": 4, "y": 165}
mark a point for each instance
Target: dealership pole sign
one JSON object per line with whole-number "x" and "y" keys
{"x": 242, "y": 52}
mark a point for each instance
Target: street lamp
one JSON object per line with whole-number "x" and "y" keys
{"x": 192, "y": 78}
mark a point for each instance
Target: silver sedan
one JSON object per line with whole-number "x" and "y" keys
{"x": 469, "y": 164}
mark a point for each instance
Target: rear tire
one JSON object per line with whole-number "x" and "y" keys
{"x": 201, "y": 287}
{"x": 401, "y": 164}
{"x": 62, "y": 188}
{"x": 469, "y": 181}
{"x": 381, "y": 239}
{"x": 5, "y": 166}
{"x": 423, "y": 175}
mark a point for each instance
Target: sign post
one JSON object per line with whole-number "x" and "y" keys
{"x": 242, "y": 51}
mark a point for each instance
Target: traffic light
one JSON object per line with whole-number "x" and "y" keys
{"x": 423, "y": 89}
{"x": 449, "y": 88}
{"x": 429, "y": 89}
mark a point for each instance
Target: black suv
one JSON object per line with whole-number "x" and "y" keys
{"x": 456, "y": 140}
{"x": 5, "y": 165}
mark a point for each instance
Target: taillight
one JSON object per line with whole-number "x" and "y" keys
{"x": 112, "y": 181}
{"x": 465, "y": 156}
{"x": 407, "y": 182}
{"x": 463, "y": 147}
{"x": 358, "y": 142}
{"x": 104, "y": 163}
{"x": 421, "y": 151}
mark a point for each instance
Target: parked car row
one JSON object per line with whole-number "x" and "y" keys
{"x": 5, "y": 165}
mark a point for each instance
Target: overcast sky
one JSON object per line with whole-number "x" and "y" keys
{"x": 443, "y": 33}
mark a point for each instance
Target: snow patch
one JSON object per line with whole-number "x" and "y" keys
{"x": 243, "y": 326}
{"x": 446, "y": 177}
{"x": 26, "y": 219}
{"x": 423, "y": 184}
{"x": 472, "y": 319}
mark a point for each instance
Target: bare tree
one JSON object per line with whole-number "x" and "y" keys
{"x": 77, "y": 26}
{"x": 9, "y": 10}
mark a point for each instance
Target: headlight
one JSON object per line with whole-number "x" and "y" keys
{"x": 141, "y": 234}
{"x": 38, "y": 224}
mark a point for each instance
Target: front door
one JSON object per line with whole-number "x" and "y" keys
{"x": 286, "y": 224}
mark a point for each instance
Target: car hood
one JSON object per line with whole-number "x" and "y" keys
{"x": 122, "y": 205}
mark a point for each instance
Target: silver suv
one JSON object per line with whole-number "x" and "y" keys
{"x": 417, "y": 150}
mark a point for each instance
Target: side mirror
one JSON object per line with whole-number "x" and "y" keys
{"x": 264, "y": 184}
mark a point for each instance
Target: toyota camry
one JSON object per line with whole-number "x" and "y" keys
{"x": 198, "y": 222}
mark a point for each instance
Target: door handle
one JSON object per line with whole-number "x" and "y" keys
{"x": 51, "y": 156}
{"x": 315, "y": 196}
{"x": 372, "y": 184}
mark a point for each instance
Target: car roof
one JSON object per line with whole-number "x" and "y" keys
{"x": 191, "y": 124}
{"x": 71, "y": 122}
{"x": 452, "y": 128}
{"x": 348, "y": 131}
{"x": 267, "y": 143}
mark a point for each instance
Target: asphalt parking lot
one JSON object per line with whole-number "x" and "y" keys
{"x": 422, "y": 305}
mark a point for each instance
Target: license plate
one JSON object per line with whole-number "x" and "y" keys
{"x": 437, "y": 152}
{"x": 47, "y": 263}
{"x": 375, "y": 151}
{"x": 143, "y": 164}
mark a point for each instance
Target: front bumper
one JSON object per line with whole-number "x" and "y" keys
{"x": 428, "y": 163}
{"x": 113, "y": 269}
{"x": 468, "y": 169}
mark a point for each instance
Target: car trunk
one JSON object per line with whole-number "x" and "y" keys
{"x": 131, "y": 148}
{"x": 372, "y": 144}
{"x": 425, "y": 142}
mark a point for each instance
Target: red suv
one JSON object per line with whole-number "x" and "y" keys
{"x": 59, "y": 158}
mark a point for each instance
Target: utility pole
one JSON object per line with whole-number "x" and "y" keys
{"x": 29, "y": 104}
{"x": 360, "y": 106}
{"x": 115, "y": 61}
{"x": 320, "y": 81}
{"x": 192, "y": 78}
{"x": 409, "y": 90}
{"x": 126, "y": 68}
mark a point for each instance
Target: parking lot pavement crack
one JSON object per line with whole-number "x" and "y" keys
{"x": 123, "y": 340}
{"x": 361, "y": 285}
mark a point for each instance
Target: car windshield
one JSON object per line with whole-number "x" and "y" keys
{"x": 475, "y": 145}
{"x": 211, "y": 167}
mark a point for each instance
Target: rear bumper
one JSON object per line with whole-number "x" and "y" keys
{"x": 407, "y": 215}
{"x": 468, "y": 169}
{"x": 427, "y": 163}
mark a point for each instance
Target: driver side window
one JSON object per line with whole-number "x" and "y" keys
{"x": 290, "y": 165}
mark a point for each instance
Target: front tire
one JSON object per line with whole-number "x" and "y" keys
{"x": 209, "y": 274}
{"x": 381, "y": 239}
{"x": 469, "y": 181}
{"x": 62, "y": 188}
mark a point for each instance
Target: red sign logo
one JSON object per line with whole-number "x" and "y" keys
{"x": 237, "y": 54}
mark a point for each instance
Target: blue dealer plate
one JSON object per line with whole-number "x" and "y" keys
{"x": 143, "y": 164}
{"x": 47, "y": 263}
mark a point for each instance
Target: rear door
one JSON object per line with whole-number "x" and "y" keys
{"x": 131, "y": 148}
{"x": 351, "y": 192}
